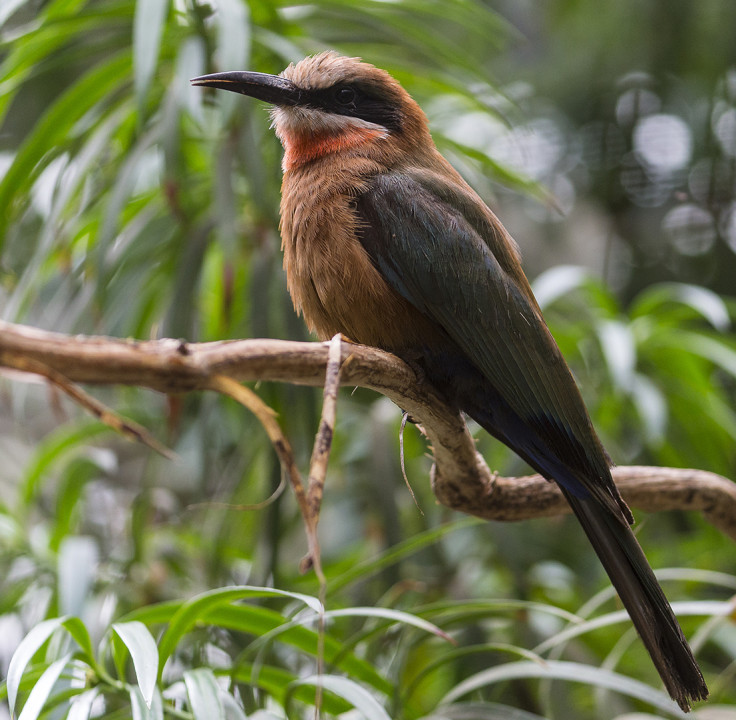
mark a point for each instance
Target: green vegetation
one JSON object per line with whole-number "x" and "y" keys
{"x": 134, "y": 205}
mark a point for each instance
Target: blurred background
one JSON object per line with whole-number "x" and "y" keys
{"x": 133, "y": 205}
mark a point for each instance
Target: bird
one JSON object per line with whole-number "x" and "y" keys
{"x": 384, "y": 242}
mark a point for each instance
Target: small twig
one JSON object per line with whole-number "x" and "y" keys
{"x": 323, "y": 441}
{"x": 321, "y": 452}
{"x": 404, "y": 419}
{"x": 248, "y": 507}
{"x": 129, "y": 428}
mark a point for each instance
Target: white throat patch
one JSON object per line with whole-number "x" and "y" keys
{"x": 292, "y": 121}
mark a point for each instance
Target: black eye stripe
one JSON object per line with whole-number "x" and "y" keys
{"x": 354, "y": 100}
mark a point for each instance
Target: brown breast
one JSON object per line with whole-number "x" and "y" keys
{"x": 330, "y": 277}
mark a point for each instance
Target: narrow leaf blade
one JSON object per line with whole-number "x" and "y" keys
{"x": 148, "y": 25}
{"x": 143, "y": 651}
{"x": 199, "y": 606}
{"x": 42, "y": 689}
{"x": 81, "y": 706}
{"x": 23, "y": 654}
{"x": 355, "y": 694}
{"x": 203, "y": 693}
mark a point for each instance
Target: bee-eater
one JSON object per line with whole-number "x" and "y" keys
{"x": 384, "y": 242}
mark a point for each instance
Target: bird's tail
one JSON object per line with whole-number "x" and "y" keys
{"x": 631, "y": 575}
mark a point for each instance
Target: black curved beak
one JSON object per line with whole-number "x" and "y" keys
{"x": 269, "y": 88}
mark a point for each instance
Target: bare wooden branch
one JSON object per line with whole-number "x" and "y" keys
{"x": 320, "y": 458}
{"x": 461, "y": 479}
{"x": 326, "y": 431}
{"x": 648, "y": 488}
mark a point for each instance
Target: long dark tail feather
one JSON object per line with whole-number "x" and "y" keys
{"x": 631, "y": 575}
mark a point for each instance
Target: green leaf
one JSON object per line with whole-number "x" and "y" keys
{"x": 694, "y": 575}
{"x": 24, "y": 653}
{"x": 190, "y": 63}
{"x": 36, "y": 638}
{"x": 161, "y": 612}
{"x": 268, "y": 625}
{"x": 558, "y": 281}
{"x": 233, "y": 31}
{"x": 198, "y": 607}
{"x": 70, "y": 496}
{"x": 233, "y": 34}
{"x": 142, "y": 710}
{"x": 568, "y": 672}
{"x": 143, "y": 651}
{"x": 463, "y": 610}
{"x": 204, "y": 694}
{"x": 660, "y": 299}
{"x": 42, "y": 689}
{"x": 355, "y": 694}
{"x": 55, "y": 126}
{"x": 619, "y": 350}
{"x": 81, "y": 706}
{"x": 148, "y": 25}
{"x": 394, "y": 616}
{"x": 501, "y": 173}
{"x": 651, "y": 405}
{"x": 704, "y": 608}
{"x": 54, "y": 447}
{"x": 232, "y": 710}
{"x": 482, "y": 711}
{"x": 39, "y": 45}
{"x": 77, "y": 571}
{"x": 450, "y": 659}
{"x": 705, "y": 302}
{"x": 119, "y": 196}
{"x": 398, "y": 552}
{"x": 275, "y": 681}
{"x": 76, "y": 628}
{"x": 718, "y": 351}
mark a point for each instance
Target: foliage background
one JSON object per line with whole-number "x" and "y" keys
{"x": 134, "y": 205}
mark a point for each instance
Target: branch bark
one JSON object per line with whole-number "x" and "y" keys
{"x": 460, "y": 477}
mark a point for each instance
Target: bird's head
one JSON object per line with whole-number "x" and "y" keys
{"x": 330, "y": 103}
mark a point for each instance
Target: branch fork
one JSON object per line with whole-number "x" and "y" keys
{"x": 461, "y": 479}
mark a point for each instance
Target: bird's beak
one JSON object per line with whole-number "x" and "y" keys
{"x": 269, "y": 88}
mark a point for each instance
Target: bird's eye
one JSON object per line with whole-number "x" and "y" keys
{"x": 345, "y": 95}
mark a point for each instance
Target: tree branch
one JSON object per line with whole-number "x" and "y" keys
{"x": 460, "y": 478}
